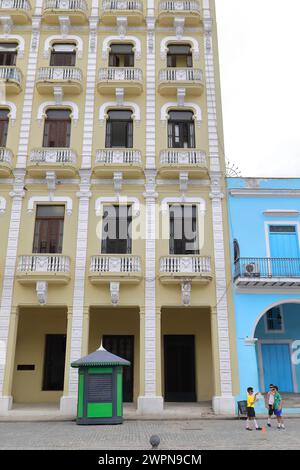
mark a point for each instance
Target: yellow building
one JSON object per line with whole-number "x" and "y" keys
{"x": 112, "y": 209}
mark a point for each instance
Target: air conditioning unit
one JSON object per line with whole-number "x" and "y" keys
{"x": 251, "y": 270}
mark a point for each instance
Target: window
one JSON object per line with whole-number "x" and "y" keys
{"x": 54, "y": 362}
{"x": 8, "y": 53}
{"x": 49, "y": 228}
{"x": 179, "y": 55}
{"x": 63, "y": 55}
{"x": 274, "y": 320}
{"x": 116, "y": 231}
{"x": 181, "y": 129}
{"x": 57, "y": 130}
{"x": 183, "y": 230}
{"x": 236, "y": 251}
{"x": 121, "y": 55}
{"x": 3, "y": 126}
{"x": 119, "y": 129}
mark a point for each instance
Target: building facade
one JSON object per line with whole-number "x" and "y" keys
{"x": 264, "y": 225}
{"x": 112, "y": 201}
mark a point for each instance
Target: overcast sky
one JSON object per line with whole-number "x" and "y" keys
{"x": 259, "y": 42}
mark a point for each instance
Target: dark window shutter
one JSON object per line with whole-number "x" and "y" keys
{"x": 108, "y": 134}
{"x": 130, "y": 134}
{"x": 3, "y": 127}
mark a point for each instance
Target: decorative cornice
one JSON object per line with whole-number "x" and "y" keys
{"x": 281, "y": 213}
{"x": 248, "y": 192}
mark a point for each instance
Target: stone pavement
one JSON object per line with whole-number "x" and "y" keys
{"x": 179, "y": 435}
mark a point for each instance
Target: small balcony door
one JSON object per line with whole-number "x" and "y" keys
{"x": 57, "y": 130}
{"x": 63, "y": 55}
{"x": 121, "y": 55}
{"x": 8, "y": 53}
{"x": 3, "y": 126}
{"x": 119, "y": 129}
{"x": 183, "y": 230}
{"x": 179, "y": 55}
{"x": 181, "y": 130}
{"x": 116, "y": 231}
{"x": 284, "y": 245}
{"x": 49, "y": 228}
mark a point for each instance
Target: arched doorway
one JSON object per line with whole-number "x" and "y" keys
{"x": 277, "y": 331}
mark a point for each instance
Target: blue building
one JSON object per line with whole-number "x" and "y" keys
{"x": 264, "y": 221}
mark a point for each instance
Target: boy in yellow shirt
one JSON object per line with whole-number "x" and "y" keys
{"x": 251, "y": 399}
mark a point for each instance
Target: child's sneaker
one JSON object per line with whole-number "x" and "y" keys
{"x": 269, "y": 425}
{"x": 258, "y": 429}
{"x": 248, "y": 429}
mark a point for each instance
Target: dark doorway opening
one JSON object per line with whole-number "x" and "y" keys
{"x": 54, "y": 362}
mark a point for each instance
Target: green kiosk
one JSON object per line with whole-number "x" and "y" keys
{"x": 100, "y": 393}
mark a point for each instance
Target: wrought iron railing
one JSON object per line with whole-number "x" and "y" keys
{"x": 267, "y": 268}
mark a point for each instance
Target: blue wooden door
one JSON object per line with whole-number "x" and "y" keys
{"x": 277, "y": 366}
{"x": 284, "y": 246}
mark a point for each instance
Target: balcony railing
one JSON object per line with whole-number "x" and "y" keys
{"x": 183, "y": 157}
{"x": 179, "y": 5}
{"x": 123, "y": 264}
{"x": 120, "y": 74}
{"x": 80, "y": 5}
{"x": 254, "y": 269}
{"x": 172, "y": 74}
{"x": 122, "y": 5}
{"x": 178, "y": 264}
{"x": 10, "y": 73}
{"x": 59, "y": 74}
{"x": 53, "y": 155}
{"x": 15, "y": 5}
{"x": 43, "y": 264}
{"x": 6, "y": 156}
{"x": 118, "y": 157}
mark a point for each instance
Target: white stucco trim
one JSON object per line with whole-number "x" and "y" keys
{"x": 35, "y": 199}
{"x": 101, "y": 201}
{"x": 281, "y": 213}
{"x": 52, "y": 104}
{"x": 19, "y": 39}
{"x": 279, "y": 222}
{"x": 2, "y": 205}
{"x": 260, "y": 342}
{"x": 63, "y": 40}
{"x": 182, "y": 40}
{"x": 113, "y": 104}
{"x": 117, "y": 39}
{"x": 174, "y": 105}
{"x": 13, "y": 110}
{"x": 246, "y": 192}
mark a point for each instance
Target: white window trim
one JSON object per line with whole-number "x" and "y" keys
{"x": 282, "y": 331}
{"x": 16, "y": 38}
{"x": 164, "y": 111}
{"x": 182, "y": 40}
{"x": 260, "y": 361}
{"x": 63, "y": 40}
{"x": 43, "y": 199}
{"x": 2, "y": 205}
{"x": 116, "y": 39}
{"x": 13, "y": 111}
{"x": 136, "y": 116}
{"x": 41, "y": 114}
{"x": 278, "y": 222}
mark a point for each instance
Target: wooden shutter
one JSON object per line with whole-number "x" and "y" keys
{"x": 129, "y": 135}
{"x": 3, "y": 127}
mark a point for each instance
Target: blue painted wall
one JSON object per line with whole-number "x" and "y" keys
{"x": 247, "y": 225}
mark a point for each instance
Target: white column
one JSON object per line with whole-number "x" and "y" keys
{"x": 223, "y": 404}
{"x": 150, "y": 402}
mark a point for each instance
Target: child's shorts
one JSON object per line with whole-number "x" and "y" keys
{"x": 250, "y": 412}
{"x": 271, "y": 410}
{"x": 278, "y": 413}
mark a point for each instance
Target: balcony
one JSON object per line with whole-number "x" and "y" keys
{"x": 119, "y": 268}
{"x": 174, "y": 161}
{"x": 76, "y": 10}
{"x": 61, "y": 160}
{"x": 267, "y": 272}
{"x": 18, "y": 10}
{"x": 6, "y": 158}
{"x": 176, "y": 268}
{"x": 171, "y": 78}
{"x": 129, "y": 161}
{"x": 132, "y": 9}
{"x": 12, "y": 78}
{"x": 68, "y": 78}
{"x": 52, "y": 268}
{"x": 190, "y": 10}
{"x": 129, "y": 78}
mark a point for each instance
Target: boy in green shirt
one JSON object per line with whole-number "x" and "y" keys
{"x": 278, "y": 408}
